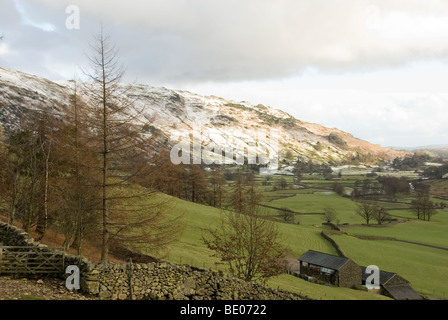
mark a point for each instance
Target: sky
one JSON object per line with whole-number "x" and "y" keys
{"x": 377, "y": 69}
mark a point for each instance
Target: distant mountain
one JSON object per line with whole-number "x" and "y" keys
{"x": 430, "y": 147}
{"x": 176, "y": 113}
{"x": 437, "y": 150}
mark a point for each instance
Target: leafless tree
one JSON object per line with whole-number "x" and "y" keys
{"x": 422, "y": 205}
{"x": 282, "y": 183}
{"x": 329, "y": 215}
{"x": 75, "y": 198}
{"x": 217, "y": 181}
{"x": 25, "y": 175}
{"x": 338, "y": 188}
{"x": 237, "y": 194}
{"x": 9, "y": 182}
{"x": 250, "y": 244}
{"x": 244, "y": 196}
{"x": 366, "y": 211}
{"x": 45, "y": 145}
{"x": 380, "y": 214}
{"x": 196, "y": 182}
{"x": 118, "y": 130}
{"x": 286, "y": 214}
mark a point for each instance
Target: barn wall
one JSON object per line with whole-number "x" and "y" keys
{"x": 349, "y": 275}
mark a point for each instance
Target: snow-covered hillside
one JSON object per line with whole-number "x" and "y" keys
{"x": 177, "y": 114}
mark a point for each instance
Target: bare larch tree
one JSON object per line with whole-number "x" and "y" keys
{"x": 117, "y": 123}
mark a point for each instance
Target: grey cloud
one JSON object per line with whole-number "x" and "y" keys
{"x": 263, "y": 41}
{"x": 197, "y": 40}
{"x": 234, "y": 46}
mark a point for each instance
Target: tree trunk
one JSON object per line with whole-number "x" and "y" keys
{"x": 105, "y": 246}
{"x": 42, "y": 224}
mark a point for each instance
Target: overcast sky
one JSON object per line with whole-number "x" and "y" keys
{"x": 377, "y": 69}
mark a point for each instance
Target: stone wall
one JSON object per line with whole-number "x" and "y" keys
{"x": 13, "y": 236}
{"x": 166, "y": 281}
{"x": 363, "y": 237}
{"x": 155, "y": 281}
{"x": 326, "y": 234}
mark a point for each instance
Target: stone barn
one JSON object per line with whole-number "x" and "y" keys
{"x": 330, "y": 269}
{"x": 394, "y": 286}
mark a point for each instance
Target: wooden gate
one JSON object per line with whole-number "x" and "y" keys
{"x": 31, "y": 260}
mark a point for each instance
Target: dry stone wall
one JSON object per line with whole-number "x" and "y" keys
{"x": 13, "y": 236}
{"x": 326, "y": 234}
{"x": 152, "y": 281}
{"x": 166, "y": 281}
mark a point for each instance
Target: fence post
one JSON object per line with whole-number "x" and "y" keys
{"x": 131, "y": 271}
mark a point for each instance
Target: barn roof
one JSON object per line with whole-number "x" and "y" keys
{"x": 384, "y": 275}
{"x": 402, "y": 292}
{"x": 323, "y": 259}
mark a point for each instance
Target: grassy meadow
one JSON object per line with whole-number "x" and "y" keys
{"x": 197, "y": 219}
{"x": 426, "y": 268}
{"x": 432, "y": 232}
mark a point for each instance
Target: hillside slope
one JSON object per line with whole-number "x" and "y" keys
{"x": 175, "y": 114}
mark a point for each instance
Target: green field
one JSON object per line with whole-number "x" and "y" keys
{"x": 197, "y": 219}
{"x": 426, "y": 268}
{"x": 320, "y": 292}
{"x": 316, "y": 203}
{"x": 432, "y": 232}
{"x": 191, "y": 250}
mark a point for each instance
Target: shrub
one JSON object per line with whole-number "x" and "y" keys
{"x": 336, "y": 140}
